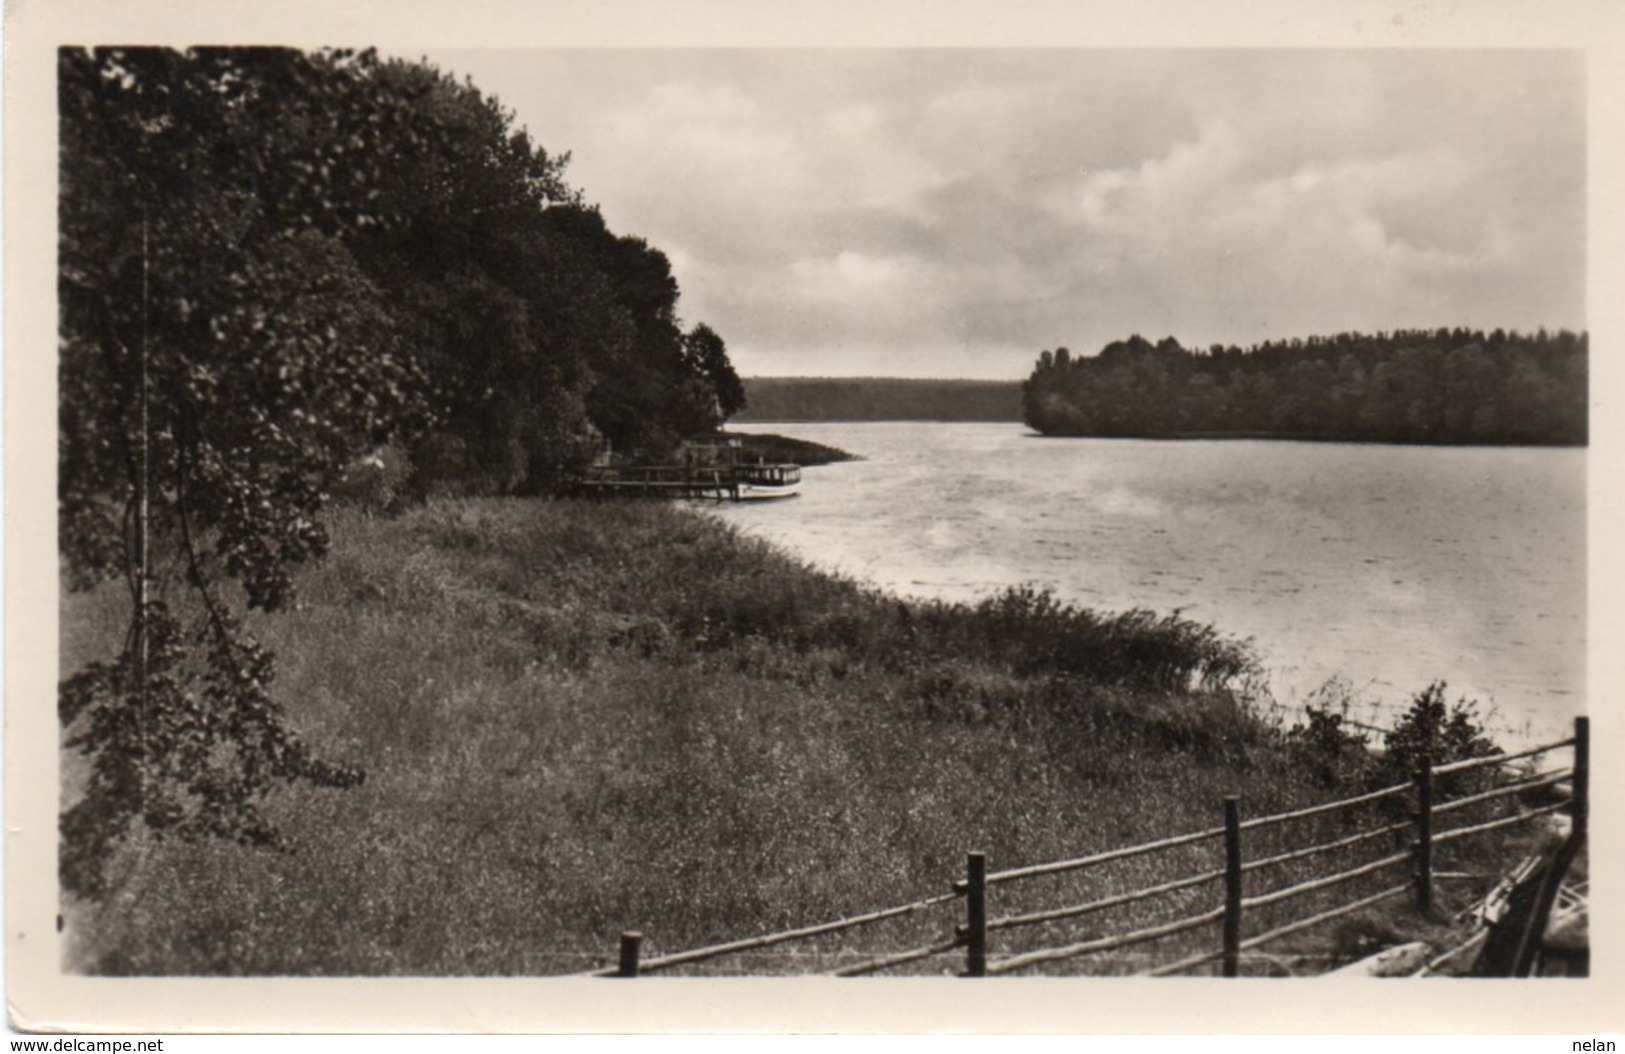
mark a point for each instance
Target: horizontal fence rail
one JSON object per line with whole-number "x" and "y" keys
{"x": 1318, "y": 884}
{"x": 1332, "y": 806}
{"x": 1062, "y": 866}
{"x": 1072, "y": 951}
{"x": 1495, "y": 825}
{"x": 1118, "y": 900}
{"x": 1233, "y": 906}
{"x": 769, "y": 940}
{"x": 1324, "y": 916}
{"x": 1325, "y": 847}
{"x": 900, "y": 959}
{"x": 1549, "y": 780}
{"x": 1502, "y": 759}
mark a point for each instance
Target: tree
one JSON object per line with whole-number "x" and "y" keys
{"x": 707, "y": 359}
{"x": 223, "y": 358}
{"x": 272, "y": 263}
{"x": 469, "y": 271}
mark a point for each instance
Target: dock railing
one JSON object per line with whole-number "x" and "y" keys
{"x": 1233, "y": 907}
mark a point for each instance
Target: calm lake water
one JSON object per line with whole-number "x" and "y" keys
{"x": 1388, "y": 566}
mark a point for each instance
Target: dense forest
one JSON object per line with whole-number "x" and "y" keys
{"x": 274, "y": 266}
{"x": 1452, "y": 386}
{"x": 879, "y": 399}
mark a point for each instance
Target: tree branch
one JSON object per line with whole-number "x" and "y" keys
{"x": 184, "y": 515}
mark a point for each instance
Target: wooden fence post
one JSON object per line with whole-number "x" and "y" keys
{"x": 976, "y": 915}
{"x": 1424, "y": 833}
{"x": 1580, "y": 806}
{"x": 1232, "y": 886}
{"x": 1558, "y": 863}
{"x": 631, "y": 942}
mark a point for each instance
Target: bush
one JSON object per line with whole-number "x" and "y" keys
{"x": 1337, "y": 755}
{"x": 1038, "y": 633}
{"x": 1442, "y": 733}
{"x": 1333, "y": 755}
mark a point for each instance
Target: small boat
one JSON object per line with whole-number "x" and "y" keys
{"x": 762, "y": 481}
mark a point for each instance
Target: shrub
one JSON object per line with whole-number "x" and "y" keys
{"x": 1037, "y": 633}
{"x": 1333, "y": 755}
{"x": 1441, "y": 732}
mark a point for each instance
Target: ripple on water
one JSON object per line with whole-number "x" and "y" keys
{"x": 1390, "y": 566}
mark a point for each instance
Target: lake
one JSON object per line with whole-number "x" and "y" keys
{"x": 1387, "y": 566}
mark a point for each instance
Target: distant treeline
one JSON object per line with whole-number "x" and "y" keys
{"x": 1452, "y": 386}
{"x": 879, "y": 399}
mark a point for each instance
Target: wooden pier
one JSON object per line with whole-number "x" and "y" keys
{"x": 663, "y": 481}
{"x": 725, "y": 483}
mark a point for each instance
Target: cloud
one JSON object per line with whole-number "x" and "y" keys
{"x": 855, "y": 277}
{"x": 932, "y": 211}
{"x": 1228, "y": 236}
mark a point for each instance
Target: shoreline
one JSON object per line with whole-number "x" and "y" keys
{"x": 1524, "y": 690}
{"x": 625, "y": 693}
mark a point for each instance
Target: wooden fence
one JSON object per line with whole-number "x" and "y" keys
{"x": 1234, "y": 903}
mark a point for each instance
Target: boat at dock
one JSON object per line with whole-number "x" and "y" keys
{"x": 766, "y": 481}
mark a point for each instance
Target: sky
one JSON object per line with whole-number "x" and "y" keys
{"x": 953, "y": 212}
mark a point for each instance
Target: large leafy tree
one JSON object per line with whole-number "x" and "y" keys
{"x": 541, "y": 331}
{"x": 272, "y": 262}
{"x": 468, "y": 280}
{"x": 223, "y": 356}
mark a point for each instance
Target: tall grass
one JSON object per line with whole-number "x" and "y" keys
{"x": 578, "y": 718}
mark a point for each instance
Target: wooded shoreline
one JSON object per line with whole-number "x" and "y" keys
{"x": 1453, "y": 387}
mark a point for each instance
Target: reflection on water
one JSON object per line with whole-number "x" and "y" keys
{"x": 1390, "y": 566}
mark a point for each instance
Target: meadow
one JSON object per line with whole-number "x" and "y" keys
{"x": 580, "y": 718}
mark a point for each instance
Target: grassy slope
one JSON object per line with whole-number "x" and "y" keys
{"x": 579, "y": 719}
